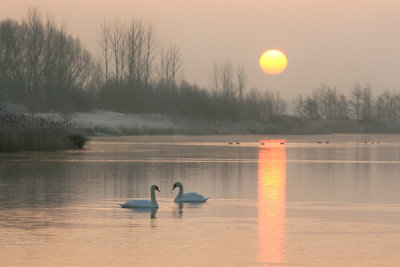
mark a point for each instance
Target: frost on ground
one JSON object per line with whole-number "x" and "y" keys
{"x": 113, "y": 123}
{"x": 106, "y": 123}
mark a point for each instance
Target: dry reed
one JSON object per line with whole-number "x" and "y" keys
{"x": 28, "y": 132}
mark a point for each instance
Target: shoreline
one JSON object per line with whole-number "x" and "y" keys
{"x": 106, "y": 123}
{"x": 55, "y": 131}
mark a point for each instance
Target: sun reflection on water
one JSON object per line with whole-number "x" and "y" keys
{"x": 271, "y": 202}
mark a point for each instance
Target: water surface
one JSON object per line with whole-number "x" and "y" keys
{"x": 314, "y": 201}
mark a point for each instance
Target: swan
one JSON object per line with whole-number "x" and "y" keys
{"x": 189, "y": 197}
{"x": 143, "y": 203}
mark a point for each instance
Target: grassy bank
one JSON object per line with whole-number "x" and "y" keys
{"x": 27, "y": 132}
{"x": 106, "y": 123}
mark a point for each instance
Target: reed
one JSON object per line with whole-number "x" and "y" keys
{"x": 28, "y": 132}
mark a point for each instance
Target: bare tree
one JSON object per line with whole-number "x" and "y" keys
{"x": 227, "y": 82}
{"x": 271, "y": 105}
{"x": 343, "y": 108}
{"x": 299, "y": 106}
{"x": 170, "y": 67}
{"x": 215, "y": 81}
{"x": 149, "y": 50}
{"x": 42, "y": 62}
{"x": 252, "y": 107}
{"x": 367, "y": 103}
{"x": 328, "y": 101}
{"x": 104, "y": 41}
{"x": 263, "y": 106}
{"x": 11, "y": 45}
{"x": 355, "y": 96}
{"x": 223, "y": 80}
{"x": 117, "y": 46}
{"x": 241, "y": 82}
{"x": 311, "y": 108}
{"x": 390, "y": 104}
{"x": 140, "y": 43}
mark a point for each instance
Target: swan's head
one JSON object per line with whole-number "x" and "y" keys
{"x": 154, "y": 187}
{"x": 177, "y": 184}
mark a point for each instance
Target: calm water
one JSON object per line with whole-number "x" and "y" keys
{"x": 303, "y": 203}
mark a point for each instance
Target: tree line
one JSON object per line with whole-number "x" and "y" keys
{"x": 360, "y": 105}
{"x": 41, "y": 65}
{"x": 45, "y": 68}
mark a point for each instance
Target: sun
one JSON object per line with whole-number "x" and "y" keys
{"x": 273, "y": 62}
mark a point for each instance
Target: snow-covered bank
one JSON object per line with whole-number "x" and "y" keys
{"x": 107, "y": 123}
{"x": 114, "y": 123}
{"x": 103, "y": 123}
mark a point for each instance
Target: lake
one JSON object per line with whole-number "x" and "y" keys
{"x": 321, "y": 200}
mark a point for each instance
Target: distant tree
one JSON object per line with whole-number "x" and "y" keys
{"x": 263, "y": 106}
{"x": 298, "y": 103}
{"x": 388, "y": 106}
{"x": 141, "y": 43}
{"x": 11, "y": 53}
{"x": 272, "y": 105}
{"x": 367, "y": 100}
{"x": 104, "y": 41}
{"x": 118, "y": 49}
{"x": 343, "y": 108}
{"x": 131, "y": 48}
{"x": 149, "y": 54}
{"x": 170, "y": 69}
{"x": 356, "y": 94}
{"x": 41, "y": 63}
{"x": 311, "y": 108}
{"x": 241, "y": 82}
{"x": 328, "y": 102}
{"x": 229, "y": 81}
{"x": 252, "y": 104}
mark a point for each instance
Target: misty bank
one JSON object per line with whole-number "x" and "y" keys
{"x": 54, "y": 131}
{"x": 106, "y": 123}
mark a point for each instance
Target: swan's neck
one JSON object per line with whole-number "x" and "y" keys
{"x": 153, "y": 197}
{"x": 180, "y": 194}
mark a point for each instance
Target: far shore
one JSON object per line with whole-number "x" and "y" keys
{"x": 54, "y": 131}
{"x": 106, "y": 123}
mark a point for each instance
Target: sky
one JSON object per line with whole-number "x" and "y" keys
{"x": 336, "y": 42}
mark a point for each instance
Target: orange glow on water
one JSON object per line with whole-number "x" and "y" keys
{"x": 271, "y": 202}
{"x": 273, "y": 142}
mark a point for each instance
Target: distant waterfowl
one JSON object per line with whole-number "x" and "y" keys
{"x": 282, "y": 143}
{"x": 231, "y": 143}
{"x": 238, "y": 143}
{"x": 143, "y": 203}
{"x": 319, "y": 142}
{"x": 262, "y": 143}
{"x": 191, "y": 197}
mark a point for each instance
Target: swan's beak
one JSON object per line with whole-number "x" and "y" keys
{"x": 158, "y": 189}
{"x": 173, "y": 187}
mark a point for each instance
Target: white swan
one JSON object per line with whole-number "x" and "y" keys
{"x": 143, "y": 203}
{"x": 189, "y": 197}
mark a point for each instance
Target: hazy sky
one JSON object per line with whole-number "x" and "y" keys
{"x": 337, "y": 42}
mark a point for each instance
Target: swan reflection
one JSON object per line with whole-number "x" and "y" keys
{"x": 177, "y": 211}
{"x": 271, "y": 202}
{"x": 152, "y": 211}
